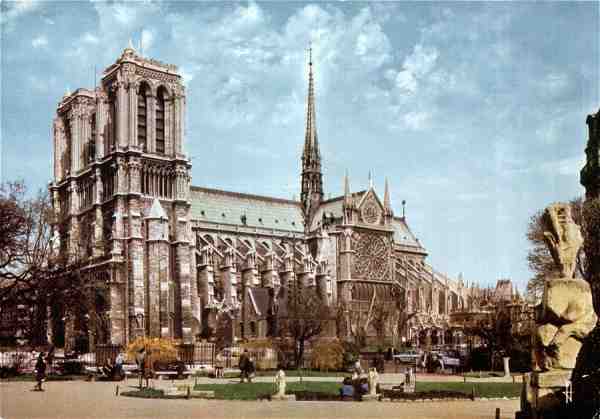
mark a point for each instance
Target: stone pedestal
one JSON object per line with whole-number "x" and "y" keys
{"x": 541, "y": 396}
{"x": 505, "y": 362}
{"x": 284, "y": 398}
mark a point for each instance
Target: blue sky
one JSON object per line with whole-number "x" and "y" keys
{"x": 474, "y": 111}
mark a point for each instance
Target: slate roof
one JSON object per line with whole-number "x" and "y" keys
{"x": 223, "y": 207}
{"x": 402, "y": 233}
{"x": 333, "y": 206}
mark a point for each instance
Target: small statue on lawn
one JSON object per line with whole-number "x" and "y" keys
{"x": 280, "y": 382}
{"x": 373, "y": 381}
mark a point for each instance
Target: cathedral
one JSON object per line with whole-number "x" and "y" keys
{"x": 168, "y": 259}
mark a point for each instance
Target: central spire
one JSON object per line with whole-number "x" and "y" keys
{"x": 312, "y": 183}
{"x": 311, "y": 141}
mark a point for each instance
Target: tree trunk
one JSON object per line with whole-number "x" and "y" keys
{"x": 299, "y": 353}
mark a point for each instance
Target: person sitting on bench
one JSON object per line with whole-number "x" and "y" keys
{"x": 347, "y": 390}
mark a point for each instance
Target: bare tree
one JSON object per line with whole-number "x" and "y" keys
{"x": 25, "y": 242}
{"x": 307, "y": 316}
{"x": 32, "y": 270}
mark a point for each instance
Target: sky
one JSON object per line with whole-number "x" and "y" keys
{"x": 475, "y": 112}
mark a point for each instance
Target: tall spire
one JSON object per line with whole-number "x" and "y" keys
{"x": 346, "y": 185}
{"x": 311, "y": 141}
{"x": 387, "y": 202}
{"x": 312, "y": 181}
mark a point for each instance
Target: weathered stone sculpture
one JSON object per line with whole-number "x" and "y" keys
{"x": 567, "y": 310}
{"x": 373, "y": 381}
{"x": 373, "y": 378}
{"x": 567, "y": 316}
{"x": 280, "y": 381}
{"x": 564, "y": 239}
{"x": 281, "y": 385}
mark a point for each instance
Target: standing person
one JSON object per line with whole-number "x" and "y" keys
{"x": 140, "y": 360}
{"x": 243, "y": 365}
{"x": 357, "y": 367}
{"x": 40, "y": 372}
{"x": 118, "y": 371}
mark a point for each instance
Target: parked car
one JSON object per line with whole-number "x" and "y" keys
{"x": 407, "y": 357}
{"x": 451, "y": 359}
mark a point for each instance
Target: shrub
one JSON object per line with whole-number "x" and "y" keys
{"x": 161, "y": 350}
{"x": 351, "y": 355}
{"x": 328, "y": 355}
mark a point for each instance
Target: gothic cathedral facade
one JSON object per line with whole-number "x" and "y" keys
{"x": 168, "y": 259}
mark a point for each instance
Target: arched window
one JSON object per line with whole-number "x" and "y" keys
{"x": 142, "y": 106}
{"x": 112, "y": 114}
{"x": 160, "y": 121}
{"x": 68, "y": 146}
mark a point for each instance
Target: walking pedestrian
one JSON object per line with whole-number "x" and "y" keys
{"x": 40, "y": 372}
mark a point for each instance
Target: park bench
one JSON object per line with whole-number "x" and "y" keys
{"x": 161, "y": 375}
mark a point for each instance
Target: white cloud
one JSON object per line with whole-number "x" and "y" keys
{"x": 90, "y": 38}
{"x": 416, "y": 120}
{"x": 554, "y": 84}
{"x": 39, "y": 41}
{"x": 147, "y": 39}
{"x": 13, "y": 9}
{"x": 416, "y": 66}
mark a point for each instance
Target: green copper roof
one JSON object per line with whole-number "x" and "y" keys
{"x": 223, "y": 207}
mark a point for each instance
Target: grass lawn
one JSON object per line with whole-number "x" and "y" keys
{"x": 251, "y": 391}
{"x": 481, "y": 389}
{"x": 303, "y": 373}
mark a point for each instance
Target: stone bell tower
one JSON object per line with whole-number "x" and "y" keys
{"x": 120, "y": 148}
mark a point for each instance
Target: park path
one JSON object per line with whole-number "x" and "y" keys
{"x": 97, "y": 400}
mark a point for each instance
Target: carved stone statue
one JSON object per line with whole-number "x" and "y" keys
{"x": 564, "y": 240}
{"x": 280, "y": 382}
{"x": 567, "y": 310}
{"x": 567, "y": 316}
{"x": 373, "y": 381}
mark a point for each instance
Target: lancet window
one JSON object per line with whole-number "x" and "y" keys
{"x": 142, "y": 114}
{"x": 112, "y": 124}
{"x": 92, "y": 139}
{"x": 160, "y": 121}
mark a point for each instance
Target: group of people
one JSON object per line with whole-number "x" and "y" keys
{"x": 114, "y": 371}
